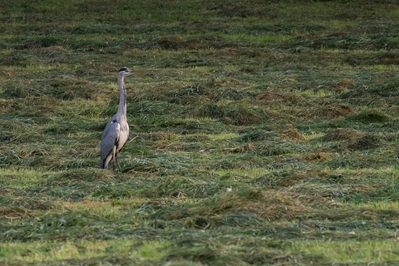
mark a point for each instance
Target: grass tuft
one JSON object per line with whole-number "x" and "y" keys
{"x": 370, "y": 116}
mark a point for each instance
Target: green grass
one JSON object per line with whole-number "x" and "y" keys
{"x": 83, "y": 249}
{"x": 261, "y": 134}
{"x": 21, "y": 178}
{"x": 351, "y": 251}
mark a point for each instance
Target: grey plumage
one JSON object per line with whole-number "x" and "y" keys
{"x": 116, "y": 131}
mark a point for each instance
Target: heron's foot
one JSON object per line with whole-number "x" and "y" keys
{"x": 119, "y": 167}
{"x": 116, "y": 168}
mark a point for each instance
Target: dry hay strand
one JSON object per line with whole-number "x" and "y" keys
{"x": 365, "y": 142}
{"x": 106, "y": 260}
{"x": 193, "y": 44}
{"x": 228, "y": 121}
{"x": 342, "y": 134}
{"x": 156, "y": 136}
{"x": 292, "y": 133}
{"x": 170, "y": 43}
{"x": 343, "y": 84}
{"x": 242, "y": 218}
{"x": 213, "y": 82}
{"x": 255, "y": 52}
{"x": 256, "y": 134}
{"x": 267, "y": 97}
{"x": 210, "y": 110}
{"x": 271, "y": 149}
{"x": 13, "y": 213}
{"x": 180, "y": 187}
{"x": 319, "y": 192}
{"x": 281, "y": 98}
{"x": 245, "y": 148}
{"x": 218, "y": 204}
{"x": 197, "y": 138}
{"x": 81, "y": 175}
{"x": 204, "y": 252}
{"x": 192, "y": 94}
{"x": 7, "y": 106}
{"x": 41, "y": 105}
{"x": 234, "y": 10}
{"x": 176, "y": 43}
{"x": 388, "y": 136}
{"x": 199, "y": 222}
{"x": 92, "y": 68}
{"x": 12, "y": 59}
{"x": 228, "y": 51}
{"x": 12, "y": 193}
{"x": 337, "y": 111}
{"x": 244, "y": 116}
{"x": 153, "y": 91}
{"x": 318, "y": 156}
{"x": 271, "y": 206}
{"x": 207, "y": 95}
{"x": 135, "y": 51}
{"x": 352, "y": 139}
{"x": 8, "y": 72}
{"x": 144, "y": 168}
{"x": 277, "y": 206}
{"x": 358, "y": 214}
{"x": 233, "y": 81}
{"x": 100, "y": 174}
{"x": 279, "y": 56}
{"x": 268, "y": 256}
{"x": 229, "y": 202}
{"x": 50, "y": 51}
{"x": 247, "y": 69}
{"x": 286, "y": 178}
{"x": 35, "y": 204}
{"x": 178, "y": 146}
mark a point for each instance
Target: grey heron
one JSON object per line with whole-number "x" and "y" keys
{"x": 116, "y": 131}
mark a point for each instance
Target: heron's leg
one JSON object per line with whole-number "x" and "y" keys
{"x": 113, "y": 158}
{"x": 117, "y": 162}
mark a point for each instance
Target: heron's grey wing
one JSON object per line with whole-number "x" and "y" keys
{"x": 110, "y": 138}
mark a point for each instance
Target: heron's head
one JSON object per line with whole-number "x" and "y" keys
{"x": 125, "y": 71}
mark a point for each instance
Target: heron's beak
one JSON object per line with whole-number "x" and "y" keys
{"x": 135, "y": 71}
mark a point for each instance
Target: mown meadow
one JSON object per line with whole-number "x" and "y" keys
{"x": 262, "y": 132}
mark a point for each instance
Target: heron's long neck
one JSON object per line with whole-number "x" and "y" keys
{"x": 122, "y": 98}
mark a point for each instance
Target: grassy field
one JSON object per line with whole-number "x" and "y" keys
{"x": 262, "y": 132}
